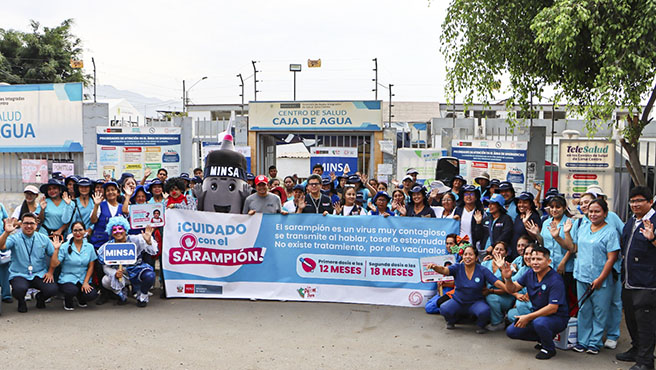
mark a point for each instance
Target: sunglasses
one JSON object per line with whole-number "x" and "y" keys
{"x": 117, "y": 229}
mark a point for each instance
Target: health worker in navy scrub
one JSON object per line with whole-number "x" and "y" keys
{"x": 546, "y": 291}
{"x": 470, "y": 278}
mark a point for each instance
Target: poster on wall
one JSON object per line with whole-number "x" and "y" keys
{"x": 133, "y": 149}
{"x": 586, "y": 162}
{"x": 358, "y": 259}
{"x": 423, "y": 160}
{"x": 34, "y": 170}
{"x": 503, "y": 160}
{"x": 64, "y": 168}
{"x": 207, "y": 147}
{"x": 334, "y": 159}
{"x": 41, "y": 118}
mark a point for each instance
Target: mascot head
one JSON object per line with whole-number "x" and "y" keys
{"x": 224, "y": 186}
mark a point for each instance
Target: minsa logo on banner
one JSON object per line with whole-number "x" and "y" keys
{"x": 142, "y": 215}
{"x": 120, "y": 254}
{"x": 429, "y": 275}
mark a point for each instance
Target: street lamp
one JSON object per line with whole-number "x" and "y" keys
{"x": 294, "y": 68}
{"x": 185, "y": 93}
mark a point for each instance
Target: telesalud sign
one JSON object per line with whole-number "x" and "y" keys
{"x": 354, "y": 115}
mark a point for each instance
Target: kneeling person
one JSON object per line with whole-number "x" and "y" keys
{"x": 546, "y": 290}
{"x": 141, "y": 275}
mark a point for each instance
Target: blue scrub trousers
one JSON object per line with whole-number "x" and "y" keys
{"x": 615, "y": 313}
{"x": 452, "y": 310}
{"x": 521, "y": 308}
{"x": 594, "y": 314}
{"x": 499, "y": 305}
{"x": 4, "y": 281}
{"x": 543, "y": 329}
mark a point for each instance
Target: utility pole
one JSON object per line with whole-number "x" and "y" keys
{"x": 390, "y": 105}
{"x": 184, "y": 98}
{"x": 376, "y": 78}
{"x": 255, "y": 81}
{"x": 242, "y": 93}
{"x": 93, "y": 61}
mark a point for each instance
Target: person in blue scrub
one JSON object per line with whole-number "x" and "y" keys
{"x": 522, "y": 301}
{"x": 76, "y": 257}
{"x": 507, "y": 190}
{"x": 30, "y": 261}
{"x": 52, "y": 209}
{"x": 5, "y": 259}
{"x": 498, "y": 300}
{"x": 597, "y": 247}
{"x": 546, "y": 290}
{"x": 456, "y": 186}
{"x": 470, "y": 278}
{"x": 555, "y": 236}
{"x": 81, "y": 207}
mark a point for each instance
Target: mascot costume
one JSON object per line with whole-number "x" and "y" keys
{"x": 224, "y": 187}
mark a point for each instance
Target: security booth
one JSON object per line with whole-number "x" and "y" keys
{"x": 343, "y": 136}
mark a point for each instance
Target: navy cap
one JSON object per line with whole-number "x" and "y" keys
{"x": 73, "y": 178}
{"x": 250, "y": 177}
{"x": 44, "y": 188}
{"x": 494, "y": 182}
{"x": 325, "y": 181}
{"x": 506, "y": 185}
{"x": 299, "y": 187}
{"x": 359, "y": 197}
{"x": 58, "y": 175}
{"x": 525, "y": 195}
{"x": 354, "y": 179}
{"x": 125, "y": 176}
{"x": 100, "y": 181}
{"x": 185, "y": 176}
{"x": 84, "y": 181}
{"x": 197, "y": 179}
{"x": 108, "y": 183}
{"x": 418, "y": 189}
{"x": 140, "y": 188}
{"x": 468, "y": 188}
{"x": 381, "y": 194}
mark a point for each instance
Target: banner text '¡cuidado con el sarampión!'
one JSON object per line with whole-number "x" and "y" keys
{"x": 211, "y": 228}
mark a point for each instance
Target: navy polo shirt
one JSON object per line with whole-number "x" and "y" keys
{"x": 470, "y": 290}
{"x": 551, "y": 290}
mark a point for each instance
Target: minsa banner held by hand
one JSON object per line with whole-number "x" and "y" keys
{"x": 355, "y": 259}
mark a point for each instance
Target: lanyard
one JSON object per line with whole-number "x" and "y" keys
{"x": 29, "y": 253}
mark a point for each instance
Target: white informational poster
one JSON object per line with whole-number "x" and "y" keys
{"x": 423, "y": 160}
{"x": 64, "y": 168}
{"x": 502, "y": 160}
{"x": 133, "y": 149}
{"x": 142, "y": 215}
{"x": 41, "y": 118}
{"x": 586, "y": 162}
{"x": 429, "y": 275}
{"x": 34, "y": 170}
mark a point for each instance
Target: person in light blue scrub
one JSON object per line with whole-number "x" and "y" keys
{"x": 76, "y": 258}
{"x": 51, "y": 217}
{"x": 498, "y": 300}
{"x": 597, "y": 247}
{"x": 156, "y": 188}
{"x": 522, "y": 300}
{"x": 80, "y": 208}
{"x": 5, "y": 258}
{"x": 507, "y": 190}
{"x": 555, "y": 236}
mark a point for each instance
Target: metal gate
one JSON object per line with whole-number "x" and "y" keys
{"x": 11, "y": 180}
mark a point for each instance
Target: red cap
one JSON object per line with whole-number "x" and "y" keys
{"x": 261, "y": 179}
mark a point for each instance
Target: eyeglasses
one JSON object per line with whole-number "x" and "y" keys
{"x": 470, "y": 194}
{"x": 78, "y": 230}
{"x": 314, "y": 184}
{"x": 636, "y": 201}
{"x": 117, "y": 229}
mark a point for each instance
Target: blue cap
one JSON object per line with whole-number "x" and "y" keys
{"x": 525, "y": 195}
{"x": 468, "y": 188}
{"x": 506, "y": 185}
{"x": 250, "y": 176}
{"x": 44, "y": 188}
{"x": 185, "y": 176}
{"x": 299, "y": 187}
{"x": 498, "y": 199}
{"x": 108, "y": 183}
{"x": 354, "y": 179}
{"x": 84, "y": 181}
{"x": 140, "y": 188}
{"x": 325, "y": 181}
{"x": 381, "y": 194}
{"x": 418, "y": 189}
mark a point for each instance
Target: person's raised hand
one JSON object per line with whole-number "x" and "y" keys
{"x": 10, "y": 225}
{"x": 147, "y": 234}
{"x": 66, "y": 198}
{"x": 478, "y": 216}
{"x": 42, "y": 202}
{"x": 147, "y": 172}
{"x": 568, "y": 225}
{"x": 57, "y": 240}
{"x": 531, "y": 227}
{"x": 251, "y": 212}
{"x": 338, "y": 207}
{"x": 97, "y": 197}
{"x": 554, "y": 229}
{"x": 647, "y": 230}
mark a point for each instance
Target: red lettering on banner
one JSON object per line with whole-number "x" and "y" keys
{"x": 219, "y": 257}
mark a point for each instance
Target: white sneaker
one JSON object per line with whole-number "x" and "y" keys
{"x": 497, "y": 327}
{"x": 68, "y": 308}
{"x": 610, "y": 344}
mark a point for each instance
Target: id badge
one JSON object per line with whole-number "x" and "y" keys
{"x": 29, "y": 269}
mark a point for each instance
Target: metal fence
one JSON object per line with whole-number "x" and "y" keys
{"x": 12, "y": 175}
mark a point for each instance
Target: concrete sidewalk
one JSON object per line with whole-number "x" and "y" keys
{"x": 240, "y": 334}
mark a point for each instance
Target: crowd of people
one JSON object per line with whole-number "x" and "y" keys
{"x": 524, "y": 265}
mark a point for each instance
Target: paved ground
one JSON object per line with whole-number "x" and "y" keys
{"x": 239, "y": 334}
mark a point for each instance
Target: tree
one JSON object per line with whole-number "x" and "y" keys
{"x": 597, "y": 55}
{"x": 40, "y": 56}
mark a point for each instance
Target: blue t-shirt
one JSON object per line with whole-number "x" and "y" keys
{"x": 470, "y": 290}
{"x": 593, "y": 249}
{"x": 34, "y": 251}
{"x": 551, "y": 290}
{"x": 74, "y": 265}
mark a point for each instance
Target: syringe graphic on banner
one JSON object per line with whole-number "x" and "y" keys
{"x": 308, "y": 264}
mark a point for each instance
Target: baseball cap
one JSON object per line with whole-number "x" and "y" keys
{"x": 31, "y": 189}
{"x": 261, "y": 179}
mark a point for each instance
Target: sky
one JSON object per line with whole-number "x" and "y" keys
{"x": 150, "y": 47}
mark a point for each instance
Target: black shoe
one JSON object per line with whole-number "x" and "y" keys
{"x": 142, "y": 304}
{"x": 628, "y": 356}
{"x": 538, "y": 346}
{"x": 482, "y": 331}
{"x": 545, "y": 354}
{"x": 102, "y": 299}
{"x": 450, "y": 326}
{"x": 641, "y": 367}
{"x": 8, "y": 300}
{"x": 22, "y": 306}
{"x": 40, "y": 302}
